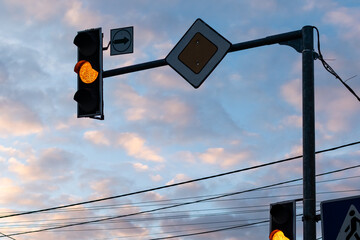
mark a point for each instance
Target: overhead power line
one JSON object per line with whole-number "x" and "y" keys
{"x": 176, "y": 184}
{"x": 178, "y": 214}
{"x": 4, "y": 235}
{"x": 177, "y": 205}
{"x": 154, "y": 210}
{"x": 212, "y": 231}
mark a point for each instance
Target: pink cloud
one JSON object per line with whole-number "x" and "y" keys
{"x": 40, "y": 10}
{"x": 135, "y": 147}
{"x": 16, "y": 119}
{"x": 79, "y": 16}
{"x": 97, "y": 138}
{"x": 52, "y": 164}
{"x": 170, "y": 110}
{"x": 140, "y": 167}
{"x": 11, "y": 191}
{"x": 348, "y": 19}
{"x": 291, "y": 92}
{"x": 223, "y": 158}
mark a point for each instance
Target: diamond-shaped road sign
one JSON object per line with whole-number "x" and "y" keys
{"x": 198, "y": 52}
{"x": 341, "y": 219}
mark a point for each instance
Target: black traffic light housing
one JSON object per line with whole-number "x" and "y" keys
{"x": 283, "y": 218}
{"x": 89, "y": 96}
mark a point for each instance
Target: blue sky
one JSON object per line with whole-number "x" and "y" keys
{"x": 158, "y": 129}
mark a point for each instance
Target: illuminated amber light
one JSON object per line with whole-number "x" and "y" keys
{"x": 277, "y": 235}
{"x": 86, "y": 72}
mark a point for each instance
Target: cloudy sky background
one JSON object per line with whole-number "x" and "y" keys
{"x": 158, "y": 129}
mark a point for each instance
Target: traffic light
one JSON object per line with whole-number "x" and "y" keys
{"x": 89, "y": 67}
{"x": 283, "y": 221}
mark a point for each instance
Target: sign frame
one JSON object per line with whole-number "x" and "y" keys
{"x": 213, "y": 38}
{"x": 334, "y": 213}
{"x": 122, "y": 41}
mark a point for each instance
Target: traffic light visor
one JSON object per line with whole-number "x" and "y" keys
{"x": 280, "y": 214}
{"x": 86, "y": 73}
{"x": 277, "y": 235}
{"x": 86, "y": 43}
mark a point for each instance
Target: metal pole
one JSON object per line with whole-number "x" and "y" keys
{"x": 308, "y": 102}
{"x": 283, "y": 37}
{"x": 134, "y": 68}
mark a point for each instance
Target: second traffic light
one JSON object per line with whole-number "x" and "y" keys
{"x": 89, "y": 68}
{"x": 283, "y": 220}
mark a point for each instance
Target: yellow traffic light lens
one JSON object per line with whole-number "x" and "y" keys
{"x": 86, "y": 73}
{"x": 277, "y": 235}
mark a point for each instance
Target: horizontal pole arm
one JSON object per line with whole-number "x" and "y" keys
{"x": 235, "y": 47}
{"x": 134, "y": 68}
{"x": 283, "y": 37}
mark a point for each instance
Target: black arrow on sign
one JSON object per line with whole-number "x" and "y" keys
{"x": 123, "y": 40}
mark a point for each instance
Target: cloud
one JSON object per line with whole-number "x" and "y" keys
{"x": 102, "y": 187}
{"x": 13, "y": 152}
{"x": 222, "y": 158}
{"x": 77, "y": 15}
{"x": 339, "y": 108}
{"x": 52, "y": 164}
{"x": 270, "y": 5}
{"x": 132, "y": 143}
{"x": 167, "y": 80}
{"x": 180, "y": 177}
{"x": 16, "y": 119}
{"x": 153, "y": 196}
{"x": 156, "y": 178}
{"x": 293, "y": 121}
{"x": 348, "y": 21}
{"x": 335, "y": 107}
{"x": 12, "y": 191}
{"x": 74, "y": 13}
{"x": 140, "y": 167}
{"x": 97, "y": 138}
{"x": 189, "y": 189}
{"x": 135, "y": 147}
{"x": 40, "y": 10}
{"x": 170, "y": 110}
{"x": 291, "y": 92}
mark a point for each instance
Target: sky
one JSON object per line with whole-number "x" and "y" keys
{"x": 159, "y": 130}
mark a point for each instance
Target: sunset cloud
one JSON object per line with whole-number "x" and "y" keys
{"x": 97, "y": 138}
{"x": 135, "y": 146}
{"x": 159, "y": 130}
{"x": 140, "y": 167}
{"x": 220, "y": 156}
{"x": 16, "y": 119}
{"x": 169, "y": 110}
{"x": 52, "y": 164}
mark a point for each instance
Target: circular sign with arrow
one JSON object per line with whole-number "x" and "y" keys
{"x": 121, "y": 41}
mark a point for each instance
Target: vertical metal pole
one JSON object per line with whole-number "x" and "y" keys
{"x": 308, "y": 101}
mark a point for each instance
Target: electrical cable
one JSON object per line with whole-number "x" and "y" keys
{"x": 177, "y": 216}
{"x": 161, "y": 218}
{"x": 33, "y": 222}
{"x": 176, "y": 205}
{"x": 175, "y": 184}
{"x": 161, "y": 226}
{"x": 4, "y": 235}
{"x": 172, "y": 217}
{"x": 212, "y": 231}
{"x": 330, "y": 69}
{"x": 152, "y": 210}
